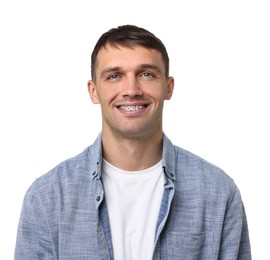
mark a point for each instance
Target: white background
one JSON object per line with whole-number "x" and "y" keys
{"x": 220, "y": 59}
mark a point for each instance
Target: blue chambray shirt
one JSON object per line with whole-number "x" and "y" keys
{"x": 64, "y": 214}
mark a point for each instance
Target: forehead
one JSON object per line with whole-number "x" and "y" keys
{"x": 122, "y": 56}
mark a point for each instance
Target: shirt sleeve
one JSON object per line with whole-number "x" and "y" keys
{"x": 33, "y": 236}
{"x": 235, "y": 244}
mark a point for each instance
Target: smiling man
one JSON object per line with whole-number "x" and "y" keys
{"x": 131, "y": 84}
{"x": 132, "y": 194}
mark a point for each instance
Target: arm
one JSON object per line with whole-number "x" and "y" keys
{"x": 235, "y": 243}
{"x": 33, "y": 237}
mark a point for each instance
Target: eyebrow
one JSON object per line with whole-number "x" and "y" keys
{"x": 118, "y": 68}
{"x": 109, "y": 70}
{"x": 150, "y": 66}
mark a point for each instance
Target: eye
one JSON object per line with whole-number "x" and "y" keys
{"x": 113, "y": 77}
{"x": 147, "y": 75}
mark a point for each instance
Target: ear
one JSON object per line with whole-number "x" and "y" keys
{"x": 92, "y": 90}
{"x": 169, "y": 89}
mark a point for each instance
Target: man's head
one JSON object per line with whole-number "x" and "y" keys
{"x": 129, "y": 36}
{"x": 130, "y": 81}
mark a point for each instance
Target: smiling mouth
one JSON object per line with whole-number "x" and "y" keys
{"x": 132, "y": 108}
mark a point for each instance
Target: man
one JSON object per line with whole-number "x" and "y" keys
{"x": 132, "y": 194}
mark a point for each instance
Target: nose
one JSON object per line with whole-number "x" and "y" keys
{"x": 132, "y": 87}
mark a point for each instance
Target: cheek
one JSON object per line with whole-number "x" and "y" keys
{"x": 159, "y": 93}
{"x": 107, "y": 96}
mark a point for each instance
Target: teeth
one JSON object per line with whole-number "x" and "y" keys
{"x": 131, "y": 108}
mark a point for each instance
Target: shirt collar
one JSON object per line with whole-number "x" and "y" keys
{"x": 96, "y": 154}
{"x": 168, "y": 157}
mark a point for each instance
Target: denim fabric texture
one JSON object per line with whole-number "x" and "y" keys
{"x": 64, "y": 214}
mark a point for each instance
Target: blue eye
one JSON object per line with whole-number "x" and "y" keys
{"x": 113, "y": 76}
{"x": 147, "y": 74}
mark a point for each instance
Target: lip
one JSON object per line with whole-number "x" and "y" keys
{"x": 132, "y": 109}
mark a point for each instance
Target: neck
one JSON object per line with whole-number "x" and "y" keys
{"x": 132, "y": 154}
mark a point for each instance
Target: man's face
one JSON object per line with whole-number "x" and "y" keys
{"x": 131, "y": 87}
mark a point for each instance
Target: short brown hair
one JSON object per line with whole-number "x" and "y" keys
{"x": 129, "y": 35}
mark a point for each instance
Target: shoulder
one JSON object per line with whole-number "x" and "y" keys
{"x": 189, "y": 160}
{"x": 207, "y": 176}
{"x": 186, "y": 164}
{"x": 193, "y": 172}
{"x": 72, "y": 171}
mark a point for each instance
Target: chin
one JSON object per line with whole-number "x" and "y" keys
{"x": 137, "y": 133}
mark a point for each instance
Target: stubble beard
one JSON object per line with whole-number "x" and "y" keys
{"x": 133, "y": 129}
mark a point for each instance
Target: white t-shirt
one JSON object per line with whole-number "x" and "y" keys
{"x": 133, "y": 199}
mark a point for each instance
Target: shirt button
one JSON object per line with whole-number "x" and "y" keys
{"x": 98, "y": 198}
{"x": 171, "y": 174}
